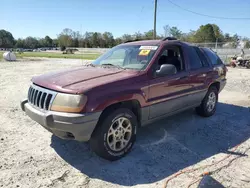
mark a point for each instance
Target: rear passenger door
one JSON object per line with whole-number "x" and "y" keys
{"x": 200, "y": 71}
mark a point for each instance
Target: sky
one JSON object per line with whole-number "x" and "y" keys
{"x": 39, "y": 18}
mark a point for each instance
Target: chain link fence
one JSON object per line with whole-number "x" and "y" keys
{"x": 226, "y": 50}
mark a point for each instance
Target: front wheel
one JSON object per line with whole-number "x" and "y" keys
{"x": 208, "y": 105}
{"x": 115, "y": 135}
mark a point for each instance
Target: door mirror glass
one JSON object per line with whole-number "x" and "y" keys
{"x": 166, "y": 69}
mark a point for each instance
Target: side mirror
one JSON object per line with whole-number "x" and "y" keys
{"x": 166, "y": 69}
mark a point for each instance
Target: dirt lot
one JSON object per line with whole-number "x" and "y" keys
{"x": 31, "y": 157}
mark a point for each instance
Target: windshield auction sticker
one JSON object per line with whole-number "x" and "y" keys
{"x": 144, "y": 52}
{"x": 148, "y": 47}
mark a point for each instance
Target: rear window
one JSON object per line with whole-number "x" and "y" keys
{"x": 213, "y": 57}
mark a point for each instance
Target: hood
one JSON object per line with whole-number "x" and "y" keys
{"x": 81, "y": 79}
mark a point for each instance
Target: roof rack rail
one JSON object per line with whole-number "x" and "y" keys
{"x": 169, "y": 38}
{"x": 132, "y": 40}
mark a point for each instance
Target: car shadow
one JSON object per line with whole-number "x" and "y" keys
{"x": 163, "y": 147}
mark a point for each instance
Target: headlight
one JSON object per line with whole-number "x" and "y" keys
{"x": 68, "y": 103}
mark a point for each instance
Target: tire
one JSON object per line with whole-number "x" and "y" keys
{"x": 205, "y": 109}
{"x": 109, "y": 132}
{"x": 248, "y": 65}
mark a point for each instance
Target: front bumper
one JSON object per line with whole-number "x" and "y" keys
{"x": 64, "y": 125}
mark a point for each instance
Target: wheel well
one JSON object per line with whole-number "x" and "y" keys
{"x": 217, "y": 85}
{"x": 133, "y": 105}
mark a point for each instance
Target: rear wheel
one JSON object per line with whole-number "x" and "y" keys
{"x": 115, "y": 135}
{"x": 208, "y": 105}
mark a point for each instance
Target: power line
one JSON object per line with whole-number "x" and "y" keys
{"x": 205, "y": 15}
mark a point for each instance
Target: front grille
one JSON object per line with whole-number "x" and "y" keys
{"x": 40, "y": 97}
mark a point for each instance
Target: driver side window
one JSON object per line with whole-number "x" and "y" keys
{"x": 171, "y": 55}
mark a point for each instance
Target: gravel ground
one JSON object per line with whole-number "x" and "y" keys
{"x": 31, "y": 157}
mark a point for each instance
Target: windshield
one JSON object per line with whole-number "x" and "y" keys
{"x": 128, "y": 56}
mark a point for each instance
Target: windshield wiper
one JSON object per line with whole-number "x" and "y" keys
{"x": 89, "y": 65}
{"x": 110, "y": 64}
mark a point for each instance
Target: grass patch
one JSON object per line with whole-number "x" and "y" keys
{"x": 55, "y": 55}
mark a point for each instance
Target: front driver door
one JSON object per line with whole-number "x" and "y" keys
{"x": 169, "y": 93}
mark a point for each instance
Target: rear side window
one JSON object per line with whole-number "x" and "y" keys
{"x": 213, "y": 57}
{"x": 195, "y": 61}
{"x": 202, "y": 57}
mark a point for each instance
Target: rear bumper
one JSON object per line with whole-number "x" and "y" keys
{"x": 64, "y": 125}
{"x": 222, "y": 84}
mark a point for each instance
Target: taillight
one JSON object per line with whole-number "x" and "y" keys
{"x": 225, "y": 70}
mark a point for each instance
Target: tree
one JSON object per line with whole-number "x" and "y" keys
{"x": 209, "y": 33}
{"x": 188, "y": 37}
{"x": 94, "y": 40}
{"x": 175, "y": 32}
{"x": 149, "y": 34}
{"x": 67, "y": 31}
{"x": 55, "y": 42}
{"x": 65, "y": 38}
{"x": 42, "y": 43}
{"x": 31, "y": 43}
{"x": 75, "y": 43}
{"x": 108, "y": 39}
{"x": 126, "y": 37}
{"x": 101, "y": 41}
{"x": 19, "y": 43}
{"x": 205, "y": 34}
{"x": 235, "y": 40}
{"x": 247, "y": 44}
{"x": 245, "y": 39}
{"x": 87, "y": 39}
{"x": 6, "y": 39}
{"x": 217, "y": 31}
{"x": 219, "y": 37}
{"x": 48, "y": 41}
{"x": 166, "y": 29}
{"x": 138, "y": 35}
{"x": 76, "y": 37}
{"x": 227, "y": 37}
{"x": 118, "y": 41}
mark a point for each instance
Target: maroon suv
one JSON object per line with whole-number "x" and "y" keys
{"x": 130, "y": 86}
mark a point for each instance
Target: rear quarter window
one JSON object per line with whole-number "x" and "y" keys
{"x": 202, "y": 57}
{"x": 212, "y": 57}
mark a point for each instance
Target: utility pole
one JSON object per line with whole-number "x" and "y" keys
{"x": 155, "y": 19}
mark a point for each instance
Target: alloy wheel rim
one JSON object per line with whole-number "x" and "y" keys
{"x": 119, "y": 134}
{"x": 211, "y": 101}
